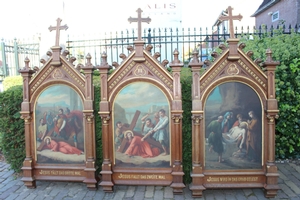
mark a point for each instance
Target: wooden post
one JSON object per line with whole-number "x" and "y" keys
{"x": 176, "y": 114}
{"x": 26, "y": 114}
{"x": 90, "y": 167}
{"x": 104, "y": 113}
{"x": 272, "y": 175}
{"x": 197, "y": 116}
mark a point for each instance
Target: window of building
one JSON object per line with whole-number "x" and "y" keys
{"x": 275, "y": 16}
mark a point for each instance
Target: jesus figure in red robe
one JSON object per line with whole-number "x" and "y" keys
{"x": 137, "y": 147}
{"x": 61, "y": 146}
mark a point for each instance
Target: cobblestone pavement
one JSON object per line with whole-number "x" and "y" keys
{"x": 11, "y": 188}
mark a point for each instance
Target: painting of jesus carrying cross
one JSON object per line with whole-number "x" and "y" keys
{"x": 141, "y": 126}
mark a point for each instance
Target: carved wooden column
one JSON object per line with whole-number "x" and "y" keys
{"x": 176, "y": 114}
{"x": 26, "y": 114}
{"x": 197, "y": 116}
{"x": 271, "y": 113}
{"x": 89, "y": 121}
{"x": 106, "y": 181}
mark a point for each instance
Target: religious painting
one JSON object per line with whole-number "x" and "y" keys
{"x": 233, "y": 128}
{"x": 141, "y": 126}
{"x": 59, "y": 126}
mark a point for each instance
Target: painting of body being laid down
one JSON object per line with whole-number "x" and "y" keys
{"x": 141, "y": 127}
{"x": 233, "y": 128}
{"x": 59, "y": 126}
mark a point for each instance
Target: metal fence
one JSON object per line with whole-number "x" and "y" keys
{"x": 163, "y": 41}
{"x": 13, "y": 54}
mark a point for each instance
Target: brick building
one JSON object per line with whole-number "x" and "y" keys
{"x": 278, "y": 12}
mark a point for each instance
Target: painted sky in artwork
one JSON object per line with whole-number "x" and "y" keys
{"x": 140, "y": 94}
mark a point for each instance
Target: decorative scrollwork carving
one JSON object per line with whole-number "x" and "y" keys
{"x": 105, "y": 119}
{"x": 89, "y": 117}
{"x": 177, "y": 118}
{"x": 272, "y": 118}
{"x": 26, "y": 118}
{"x": 197, "y": 119}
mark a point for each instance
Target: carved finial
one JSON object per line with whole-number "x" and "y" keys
{"x": 123, "y": 56}
{"x": 149, "y": 47}
{"x": 65, "y": 53}
{"x": 176, "y": 53}
{"x": 207, "y": 62}
{"x": 269, "y": 55}
{"x": 139, "y": 20}
{"x": 49, "y": 53}
{"x": 242, "y": 45}
{"x": 257, "y": 61}
{"x": 249, "y": 53}
{"x": 115, "y": 64}
{"x": 26, "y": 63}
{"x": 43, "y": 61}
{"x": 222, "y": 46}
{"x": 79, "y": 66}
{"x": 165, "y": 62}
{"x": 156, "y": 55}
{"x": 104, "y": 58}
{"x": 195, "y": 58}
{"x": 35, "y": 68}
{"x": 214, "y": 54}
{"x": 130, "y": 48}
{"x": 88, "y": 60}
{"x": 72, "y": 59}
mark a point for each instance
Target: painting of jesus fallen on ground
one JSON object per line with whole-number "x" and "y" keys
{"x": 141, "y": 126}
{"x": 233, "y": 128}
{"x": 59, "y": 130}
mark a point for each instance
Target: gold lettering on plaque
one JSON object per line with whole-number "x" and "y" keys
{"x": 232, "y": 179}
{"x": 142, "y": 176}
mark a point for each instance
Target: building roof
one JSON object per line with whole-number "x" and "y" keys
{"x": 264, "y": 6}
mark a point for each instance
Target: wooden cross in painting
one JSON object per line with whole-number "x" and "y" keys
{"x": 131, "y": 127}
{"x": 139, "y": 20}
{"x": 230, "y": 18}
{"x": 58, "y": 27}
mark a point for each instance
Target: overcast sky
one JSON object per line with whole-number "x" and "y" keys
{"x": 23, "y": 18}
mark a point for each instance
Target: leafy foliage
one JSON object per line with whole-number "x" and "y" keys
{"x": 11, "y": 81}
{"x": 285, "y": 49}
{"x": 12, "y": 137}
{"x": 186, "y": 85}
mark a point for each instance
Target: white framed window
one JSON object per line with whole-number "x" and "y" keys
{"x": 275, "y": 16}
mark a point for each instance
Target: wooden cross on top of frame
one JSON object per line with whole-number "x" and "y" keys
{"x": 230, "y": 18}
{"x": 139, "y": 20}
{"x": 58, "y": 27}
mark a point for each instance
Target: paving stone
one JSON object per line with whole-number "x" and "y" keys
{"x": 293, "y": 187}
{"x": 130, "y": 192}
{"x": 119, "y": 195}
{"x": 287, "y": 190}
{"x": 168, "y": 194}
{"x": 139, "y": 195}
{"x": 158, "y": 194}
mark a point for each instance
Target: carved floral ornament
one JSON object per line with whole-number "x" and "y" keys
{"x": 26, "y": 118}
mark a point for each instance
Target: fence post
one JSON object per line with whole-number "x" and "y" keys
{"x": 3, "y": 57}
{"x": 149, "y": 36}
{"x": 16, "y": 56}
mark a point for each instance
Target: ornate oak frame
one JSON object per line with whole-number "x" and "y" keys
{"x": 58, "y": 70}
{"x": 233, "y": 65}
{"x": 141, "y": 66}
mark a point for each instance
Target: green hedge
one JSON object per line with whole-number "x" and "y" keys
{"x": 285, "y": 48}
{"x": 12, "y": 137}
